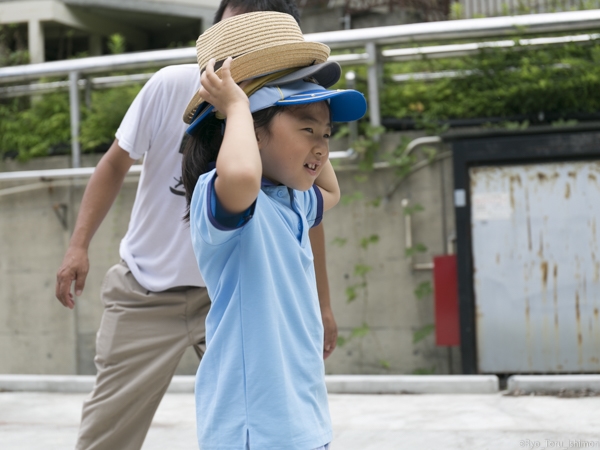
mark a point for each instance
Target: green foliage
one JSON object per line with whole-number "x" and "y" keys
{"x": 423, "y": 290}
{"x": 116, "y": 44}
{"x": 357, "y": 332}
{"x": 361, "y": 331}
{"x": 10, "y": 37}
{"x": 559, "y": 80}
{"x": 34, "y": 131}
{"x": 424, "y": 371}
{"x": 361, "y": 270}
{"x": 103, "y": 118}
{"x": 30, "y": 129}
{"x": 367, "y": 146}
{"x": 375, "y": 203}
{"x": 385, "y": 364}
{"x": 348, "y": 199}
{"x": 423, "y": 332}
{"x": 340, "y": 242}
{"x": 410, "y": 210}
{"x": 456, "y": 11}
{"x": 417, "y": 248}
{"x": 366, "y": 241}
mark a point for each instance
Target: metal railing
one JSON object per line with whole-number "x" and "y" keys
{"x": 369, "y": 38}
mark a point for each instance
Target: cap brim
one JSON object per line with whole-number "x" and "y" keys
{"x": 345, "y": 105}
{"x": 325, "y": 74}
{"x": 203, "y": 110}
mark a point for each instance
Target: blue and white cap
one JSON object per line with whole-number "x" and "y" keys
{"x": 346, "y": 105}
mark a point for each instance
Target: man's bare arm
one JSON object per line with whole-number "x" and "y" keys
{"x": 317, "y": 242}
{"x": 100, "y": 193}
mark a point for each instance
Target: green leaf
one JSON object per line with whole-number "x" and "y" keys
{"x": 360, "y": 270}
{"x": 422, "y": 333}
{"x": 385, "y": 364}
{"x": 410, "y": 210}
{"x": 341, "y": 131}
{"x": 361, "y": 331}
{"x": 417, "y": 248}
{"x": 423, "y": 290}
{"x": 351, "y": 198}
{"x": 424, "y": 371}
{"x": 340, "y": 242}
{"x": 341, "y": 341}
{"x": 116, "y": 44}
{"x": 375, "y": 202}
{"x": 366, "y": 241}
{"x": 350, "y": 294}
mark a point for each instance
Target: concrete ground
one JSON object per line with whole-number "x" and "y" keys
{"x": 43, "y": 420}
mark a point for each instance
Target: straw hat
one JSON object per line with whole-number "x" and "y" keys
{"x": 259, "y": 43}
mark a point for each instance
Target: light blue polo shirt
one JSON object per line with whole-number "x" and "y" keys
{"x": 261, "y": 379}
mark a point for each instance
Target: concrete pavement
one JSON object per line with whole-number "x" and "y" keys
{"x": 42, "y": 420}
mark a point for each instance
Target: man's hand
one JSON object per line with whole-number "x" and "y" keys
{"x": 99, "y": 195}
{"x": 331, "y": 332}
{"x": 75, "y": 267}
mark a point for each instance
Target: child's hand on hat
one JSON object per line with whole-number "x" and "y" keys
{"x": 221, "y": 91}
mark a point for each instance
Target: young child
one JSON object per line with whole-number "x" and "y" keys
{"x": 261, "y": 384}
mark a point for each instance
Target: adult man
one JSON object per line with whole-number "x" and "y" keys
{"x": 155, "y": 300}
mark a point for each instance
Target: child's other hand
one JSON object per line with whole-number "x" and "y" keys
{"x": 223, "y": 93}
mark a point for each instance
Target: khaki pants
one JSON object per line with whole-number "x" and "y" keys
{"x": 141, "y": 339}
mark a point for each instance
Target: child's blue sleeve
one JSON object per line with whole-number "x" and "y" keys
{"x": 223, "y": 219}
{"x": 209, "y": 218}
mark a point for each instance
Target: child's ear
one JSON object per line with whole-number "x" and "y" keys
{"x": 260, "y": 136}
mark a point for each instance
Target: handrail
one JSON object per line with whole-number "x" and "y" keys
{"x": 461, "y": 29}
{"x": 54, "y": 174}
{"x": 401, "y": 54}
{"x": 98, "y": 64}
{"x": 417, "y": 32}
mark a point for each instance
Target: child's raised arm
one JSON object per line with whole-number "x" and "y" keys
{"x": 328, "y": 184}
{"x": 239, "y": 168}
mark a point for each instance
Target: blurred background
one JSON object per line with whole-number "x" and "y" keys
{"x": 466, "y": 239}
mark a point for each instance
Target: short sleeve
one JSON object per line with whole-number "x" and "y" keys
{"x": 136, "y": 132}
{"x": 208, "y": 220}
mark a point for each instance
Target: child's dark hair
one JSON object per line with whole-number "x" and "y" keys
{"x": 246, "y": 6}
{"x": 202, "y": 148}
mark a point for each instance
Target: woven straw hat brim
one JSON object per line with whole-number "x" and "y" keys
{"x": 265, "y": 61}
{"x": 246, "y": 33}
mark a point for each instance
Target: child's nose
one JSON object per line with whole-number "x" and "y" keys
{"x": 321, "y": 148}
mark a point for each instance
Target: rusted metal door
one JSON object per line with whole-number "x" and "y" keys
{"x": 536, "y": 266}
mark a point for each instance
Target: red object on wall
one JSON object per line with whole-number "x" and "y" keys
{"x": 445, "y": 287}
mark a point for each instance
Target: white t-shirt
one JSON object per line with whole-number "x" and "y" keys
{"x": 157, "y": 247}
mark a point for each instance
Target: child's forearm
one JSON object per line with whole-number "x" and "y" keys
{"x": 239, "y": 167}
{"x": 328, "y": 184}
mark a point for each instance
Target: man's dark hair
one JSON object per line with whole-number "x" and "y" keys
{"x": 246, "y": 6}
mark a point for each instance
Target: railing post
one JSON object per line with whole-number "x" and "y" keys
{"x": 75, "y": 116}
{"x": 352, "y": 126}
{"x": 373, "y": 84}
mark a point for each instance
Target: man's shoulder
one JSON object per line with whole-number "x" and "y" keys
{"x": 179, "y": 75}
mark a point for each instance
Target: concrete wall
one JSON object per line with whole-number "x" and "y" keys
{"x": 39, "y": 336}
